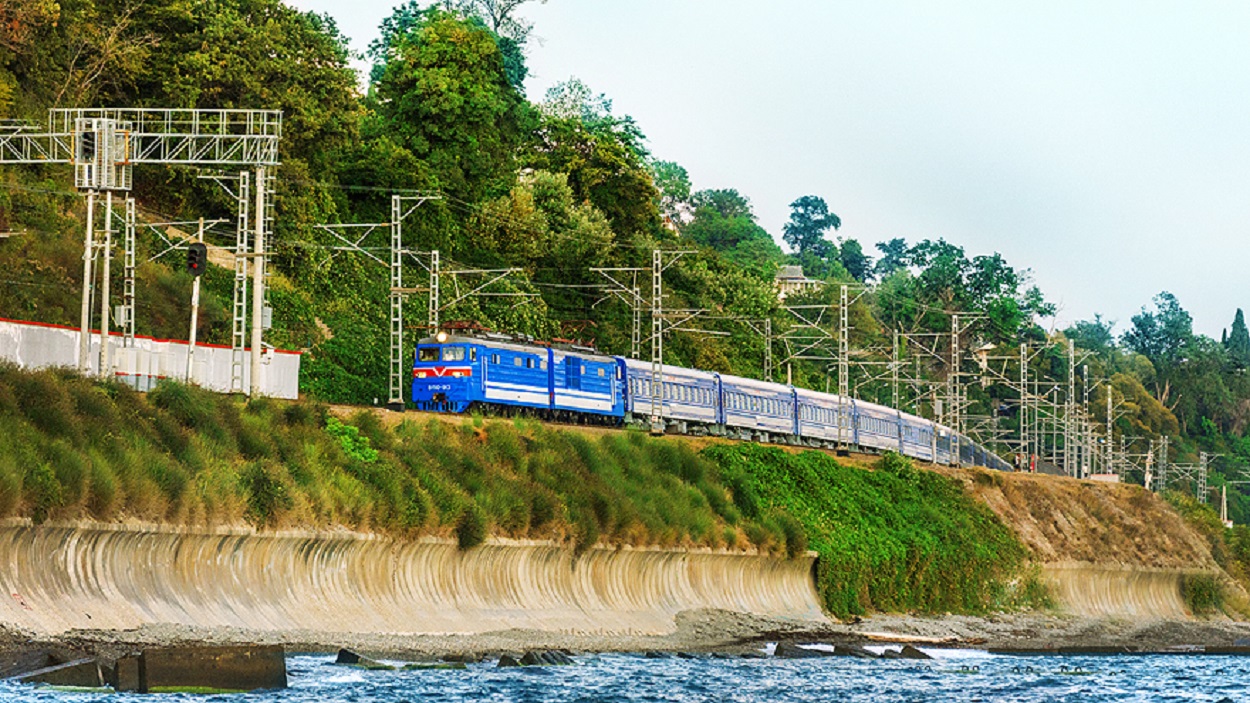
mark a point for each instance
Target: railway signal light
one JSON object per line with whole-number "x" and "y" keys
{"x": 86, "y": 145}
{"x": 197, "y": 258}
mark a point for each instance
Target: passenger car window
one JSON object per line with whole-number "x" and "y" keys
{"x": 427, "y": 354}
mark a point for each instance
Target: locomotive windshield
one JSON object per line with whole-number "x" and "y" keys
{"x": 427, "y": 354}
{"x": 453, "y": 353}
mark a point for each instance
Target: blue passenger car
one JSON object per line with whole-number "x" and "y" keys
{"x": 820, "y": 416}
{"x": 685, "y": 394}
{"x": 876, "y": 426}
{"x": 758, "y": 405}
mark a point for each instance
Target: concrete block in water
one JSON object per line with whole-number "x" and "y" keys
{"x": 125, "y": 676}
{"x": 247, "y": 668}
{"x": 84, "y": 673}
{"x": 19, "y": 663}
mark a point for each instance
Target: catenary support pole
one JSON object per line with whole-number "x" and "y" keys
{"x": 88, "y": 256}
{"x": 258, "y": 282}
{"x": 106, "y": 258}
{"x": 195, "y": 315}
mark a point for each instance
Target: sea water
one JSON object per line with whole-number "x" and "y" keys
{"x": 953, "y": 675}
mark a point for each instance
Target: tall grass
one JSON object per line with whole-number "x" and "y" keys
{"x": 72, "y": 448}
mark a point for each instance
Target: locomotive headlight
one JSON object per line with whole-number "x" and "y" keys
{"x": 419, "y": 374}
{"x": 441, "y": 337}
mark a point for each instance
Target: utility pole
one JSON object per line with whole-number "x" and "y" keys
{"x": 1069, "y": 414}
{"x": 1163, "y": 464}
{"x": 258, "y": 283}
{"x": 88, "y": 256}
{"x": 106, "y": 256}
{"x": 952, "y": 391}
{"x": 195, "y": 313}
{"x": 1204, "y": 464}
{"x": 658, "y": 266}
{"x": 1110, "y": 429}
{"x": 768, "y": 349}
{"x": 894, "y": 369}
{"x": 128, "y": 278}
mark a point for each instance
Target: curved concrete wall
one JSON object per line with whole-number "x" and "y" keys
{"x": 1109, "y": 591}
{"x": 57, "y": 578}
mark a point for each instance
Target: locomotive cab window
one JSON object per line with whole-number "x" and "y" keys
{"x": 427, "y": 354}
{"x": 453, "y": 353}
{"x": 472, "y": 353}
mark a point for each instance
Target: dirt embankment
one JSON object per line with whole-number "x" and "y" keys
{"x": 1065, "y": 521}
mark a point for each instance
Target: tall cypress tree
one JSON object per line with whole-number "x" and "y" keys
{"x": 1239, "y": 342}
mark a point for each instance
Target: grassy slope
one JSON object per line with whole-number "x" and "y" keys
{"x": 896, "y": 538}
{"x": 893, "y": 539}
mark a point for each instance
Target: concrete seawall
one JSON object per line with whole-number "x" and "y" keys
{"x": 58, "y": 578}
{"x": 1122, "y": 592}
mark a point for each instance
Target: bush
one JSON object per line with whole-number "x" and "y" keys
{"x": 471, "y": 528}
{"x": 1203, "y": 593}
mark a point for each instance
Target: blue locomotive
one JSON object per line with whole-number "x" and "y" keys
{"x": 494, "y": 373}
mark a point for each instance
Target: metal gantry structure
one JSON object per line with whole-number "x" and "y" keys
{"x": 102, "y": 145}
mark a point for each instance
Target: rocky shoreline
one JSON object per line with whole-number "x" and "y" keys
{"x": 697, "y": 632}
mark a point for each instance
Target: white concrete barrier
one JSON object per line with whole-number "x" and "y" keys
{"x": 116, "y": 577}
{"x": 36, "y": 345}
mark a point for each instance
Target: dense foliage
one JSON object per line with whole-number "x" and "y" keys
{"x": 893, "y": 539}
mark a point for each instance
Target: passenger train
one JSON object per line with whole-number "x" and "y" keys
{"x": 496, "y": 374}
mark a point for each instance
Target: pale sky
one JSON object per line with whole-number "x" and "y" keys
{"x": 1105, "y": 144}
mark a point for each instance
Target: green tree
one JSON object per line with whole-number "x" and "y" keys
{"x": 511, "y": 32}
{"x": 724, "y": 221}
{"x": 1162, "y": 336}
{"x": 1239, "y": 342}
{"x": 673, "y": 184}
{"x": 444, "y": 94}
{"x": 810, "y": 219}
{"x": 602, "y": 155}
{"x": 853, "y": 259}
{"x": 894, "y": 256}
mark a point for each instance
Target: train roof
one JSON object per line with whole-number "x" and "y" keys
{"x": 516, "y": 345}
